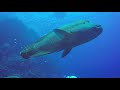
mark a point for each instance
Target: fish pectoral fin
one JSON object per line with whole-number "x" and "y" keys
{"x": 62, "y": 34}
{"x": 66, "y": 51}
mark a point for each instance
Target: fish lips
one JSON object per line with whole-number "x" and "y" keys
{"x": 99, "y": 29}
{"x": 24, "y": 55}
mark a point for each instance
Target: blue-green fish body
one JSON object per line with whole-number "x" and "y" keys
{"x": 63, "y": 38}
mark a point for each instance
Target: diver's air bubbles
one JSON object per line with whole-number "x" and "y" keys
{"x": 15, "y": 42}
{"x": 15, "y": 39}
{"x": 45, "y": 61}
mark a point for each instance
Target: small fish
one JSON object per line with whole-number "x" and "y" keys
{"x": 64, "y": 38}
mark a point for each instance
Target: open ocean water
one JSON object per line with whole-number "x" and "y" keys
{"x": 99, "y": 58}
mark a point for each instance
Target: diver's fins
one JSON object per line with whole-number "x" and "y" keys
{"x": 62, "y": 33}
{"x": 66, "y": 51}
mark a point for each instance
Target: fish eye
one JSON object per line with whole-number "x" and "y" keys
{"x": 87, "y": 21}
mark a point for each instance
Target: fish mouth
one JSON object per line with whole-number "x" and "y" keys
{"x": 24, "y": 55}
{"x": 98, "y": 27}
{"x": 97, "y": 30}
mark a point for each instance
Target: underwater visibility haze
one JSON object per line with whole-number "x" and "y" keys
{"x": 59, "y": 45}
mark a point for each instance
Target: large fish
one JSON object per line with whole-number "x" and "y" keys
{"x": 63, "y": 38}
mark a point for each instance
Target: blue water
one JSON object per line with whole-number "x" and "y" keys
{"x": 99, "y": 58}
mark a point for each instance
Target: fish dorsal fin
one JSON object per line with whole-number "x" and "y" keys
{"x": 41, "y": 39}
{"x": 62, "y": 34}
{"x": 66, "y": 51}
